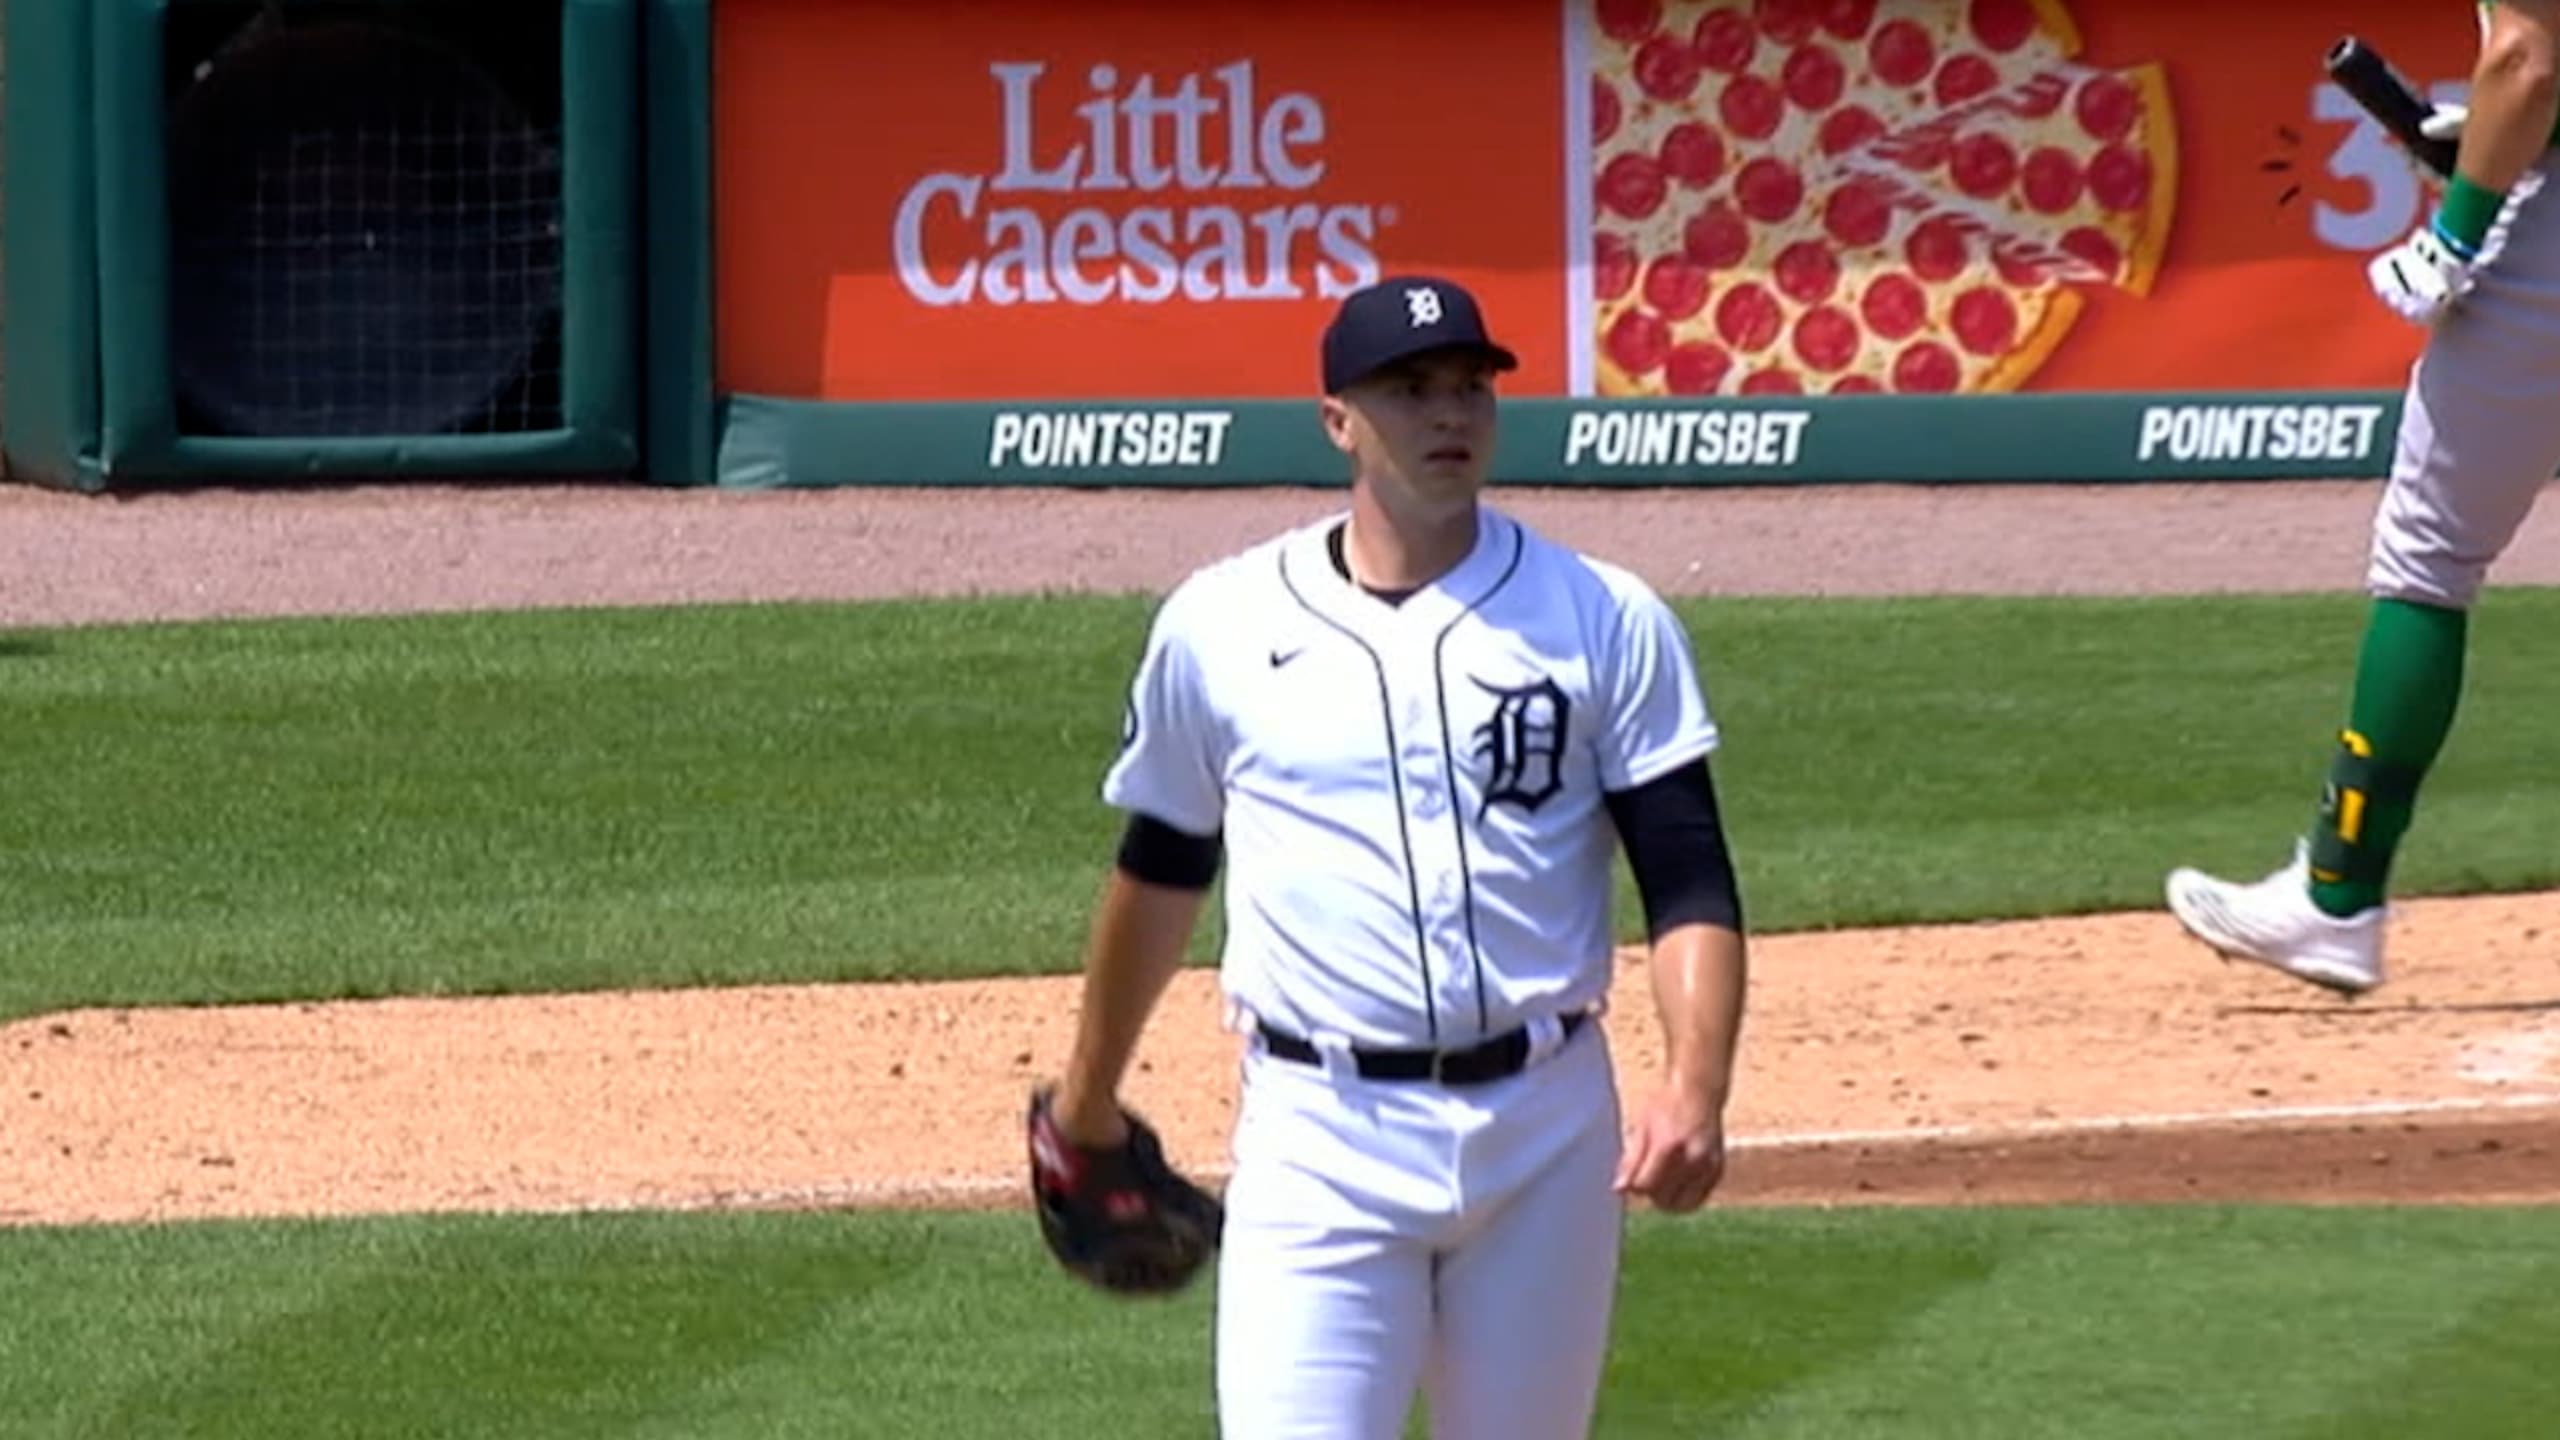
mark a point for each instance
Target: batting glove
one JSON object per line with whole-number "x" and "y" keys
{"x": 2422, "y": 276}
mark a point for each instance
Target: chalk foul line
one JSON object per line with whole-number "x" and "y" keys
{"x": 856, "y": 1193}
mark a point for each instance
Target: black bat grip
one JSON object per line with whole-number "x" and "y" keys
{"x": 2370, "y": 81}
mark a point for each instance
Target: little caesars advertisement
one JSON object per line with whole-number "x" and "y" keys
{"x": 1710, "y": 230}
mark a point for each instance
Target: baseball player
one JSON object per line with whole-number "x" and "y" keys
{"x": 2479, "y": 437}
{"x": 1413, "y": 736}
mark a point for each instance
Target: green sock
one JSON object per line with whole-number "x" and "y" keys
{"x": 2408, "y": 683}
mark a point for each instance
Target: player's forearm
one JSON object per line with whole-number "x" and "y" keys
{"x": 2515, "y": 95}
{"x": 1139, "y": 934}
{"x": 1698, "y": 983}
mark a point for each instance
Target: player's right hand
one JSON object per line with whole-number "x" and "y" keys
{"x": 2422, "y": 277}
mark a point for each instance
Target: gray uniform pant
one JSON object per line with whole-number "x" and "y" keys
{"x": 2480, "y": 428}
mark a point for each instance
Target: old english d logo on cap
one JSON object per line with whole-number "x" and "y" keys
{"x": 1401, "y": 316}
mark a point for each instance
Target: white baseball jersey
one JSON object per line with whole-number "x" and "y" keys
{"x": 1418, "y": 852}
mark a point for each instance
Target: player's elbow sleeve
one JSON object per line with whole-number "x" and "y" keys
{"x": 1160, "y": 854}
{"x": 1675, "y": 842}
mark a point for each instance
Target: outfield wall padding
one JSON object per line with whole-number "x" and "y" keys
{"x": 764, "y": 286}
{"x": 50, "y": 346}
{"x": 93, "y": 400}
{"x": 600, "y": 101}
{"x": 767, "y": 442}
{"x": 678, "y": 403}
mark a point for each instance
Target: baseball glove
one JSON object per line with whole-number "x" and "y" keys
{"x": 1120, "y": 1219}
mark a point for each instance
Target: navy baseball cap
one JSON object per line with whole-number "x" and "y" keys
{"x": 1399, "y": 317}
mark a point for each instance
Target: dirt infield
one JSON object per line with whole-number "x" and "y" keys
{"x": 2097, "y": 1058}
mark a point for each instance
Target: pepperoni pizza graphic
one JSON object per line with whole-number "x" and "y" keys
{"x": 1860, "y": 196}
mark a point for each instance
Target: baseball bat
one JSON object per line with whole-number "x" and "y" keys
{"x": 2370, "y": 81}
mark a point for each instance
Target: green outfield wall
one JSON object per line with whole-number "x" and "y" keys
{"x": 761, "y": 243}
{"x": 1907, "y": 439}
{"x": 114, "y": 304}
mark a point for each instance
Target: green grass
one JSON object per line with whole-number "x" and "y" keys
{"x": 554, "y": 801}
{"x": 568, "y": 800}
{"x": 2087, "y": 1324}
{"x": 1929, "y": 760}
{"x": 729, "y": 795}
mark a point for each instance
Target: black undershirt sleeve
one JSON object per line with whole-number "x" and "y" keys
{"x": 1159, "y": 854}
{"x": 1676, "y": 848}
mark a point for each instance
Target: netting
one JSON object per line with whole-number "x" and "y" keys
{"x": 365, "y": 239}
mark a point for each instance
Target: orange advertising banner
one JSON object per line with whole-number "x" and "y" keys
{"x": 1653, "y": 197}
{"x": 1046, "y": 201}
{"x": 2283, "y": 189}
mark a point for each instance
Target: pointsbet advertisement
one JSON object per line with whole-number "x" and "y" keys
{"x": 1660, "y": 201}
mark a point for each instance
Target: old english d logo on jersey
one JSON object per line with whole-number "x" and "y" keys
{"x": 1522, "y": 744}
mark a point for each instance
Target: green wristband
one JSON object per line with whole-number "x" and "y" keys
{"x": 2468, "y": 211}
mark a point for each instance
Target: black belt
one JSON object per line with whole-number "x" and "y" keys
{"x": 1496, "y": 1059}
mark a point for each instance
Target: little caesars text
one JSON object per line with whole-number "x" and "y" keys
{"x": 1196, "y": 189}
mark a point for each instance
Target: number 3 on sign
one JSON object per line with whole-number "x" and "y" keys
{"x": 2373, "y": 157}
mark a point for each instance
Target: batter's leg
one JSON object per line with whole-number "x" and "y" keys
{"x": 2479, "y": 442}
{"x": 1525, "y": 1301}
{"x": 2480, "y": 432}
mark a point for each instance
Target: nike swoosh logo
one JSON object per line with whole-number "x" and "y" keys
{"x": 1283, "y": 657}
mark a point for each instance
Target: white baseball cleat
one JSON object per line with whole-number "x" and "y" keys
{"x": 2274, "y": 923}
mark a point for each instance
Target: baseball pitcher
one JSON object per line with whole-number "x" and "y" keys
{"x": 1416, "y": 735}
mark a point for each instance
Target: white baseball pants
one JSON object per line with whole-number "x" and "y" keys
{"x": 1385, "y": 1238}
